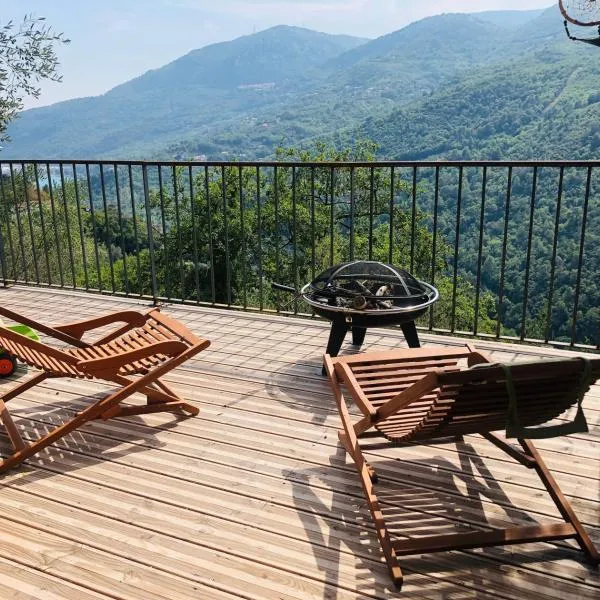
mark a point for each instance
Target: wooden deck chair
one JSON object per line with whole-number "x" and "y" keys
{"x": 134, "y": 356}
{"x": 422, "y": 394}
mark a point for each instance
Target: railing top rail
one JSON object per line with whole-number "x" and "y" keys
{"x": 335, "y": 164}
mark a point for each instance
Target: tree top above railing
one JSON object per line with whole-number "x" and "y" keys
{"x": 315, "y": 164}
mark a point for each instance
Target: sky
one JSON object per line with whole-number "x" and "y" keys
{"x": 113, "y": 41}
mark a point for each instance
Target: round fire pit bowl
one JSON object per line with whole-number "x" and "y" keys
{"x": 361, "y": 294}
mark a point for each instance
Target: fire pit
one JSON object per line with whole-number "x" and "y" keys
{"x": 361, "y": 294}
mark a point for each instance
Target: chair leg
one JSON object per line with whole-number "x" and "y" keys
{"x": 343, "y": 440}
{"x": 563, "y": 505}
{"x": 165, "y": 388}
{"x": 128, "y": 411}
{"x": 166, "y": 394}
{"x": 22, "y": 387}
{"x": 11, "y": 428}
{"x": 350, "y": 443}
{"x": 366, "y": 474}
{"x": 12, "y": 431}
{"x": 159, "y": 397}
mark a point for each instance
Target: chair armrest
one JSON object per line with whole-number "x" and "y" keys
{"x": 113, "y": 363}
{"x": 477, "y": 357}
{"x": 346, "y": 375}
{"x": 131, "y": 318}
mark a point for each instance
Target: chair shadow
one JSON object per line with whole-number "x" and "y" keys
{"x": 313, "y": 396}
{"x": 413, "y": 509}
{"x": 81, "y": 448}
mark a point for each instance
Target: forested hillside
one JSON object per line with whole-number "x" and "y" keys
{"x": 411, "y": 91}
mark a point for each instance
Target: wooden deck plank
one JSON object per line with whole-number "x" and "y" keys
{"x": 253, "y": 498}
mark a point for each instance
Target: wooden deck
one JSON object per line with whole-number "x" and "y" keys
{"x": 254, "y": 498}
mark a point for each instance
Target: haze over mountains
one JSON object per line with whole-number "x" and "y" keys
{"x": 503, "y": 84}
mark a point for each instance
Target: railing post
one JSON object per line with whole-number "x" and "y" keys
{"x": 149, "y": 232}
{"x": 2, "y": 259}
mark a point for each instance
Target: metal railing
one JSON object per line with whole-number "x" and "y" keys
{"x": 512, "y": 246}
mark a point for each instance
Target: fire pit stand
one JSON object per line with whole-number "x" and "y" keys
{"x": 340, "y": 325}
{"x": 361, "y": 294}
{"x": 359, "y": 321}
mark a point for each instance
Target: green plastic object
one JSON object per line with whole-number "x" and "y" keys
{"x": 8, "y": 361}
{"x": 26, "y": 331}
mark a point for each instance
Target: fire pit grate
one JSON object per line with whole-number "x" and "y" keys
{"x": 361, "y": 294}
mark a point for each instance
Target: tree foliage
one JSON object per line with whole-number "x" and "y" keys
{"x": 222, "y": 235}
{"x": 27, "y": 55}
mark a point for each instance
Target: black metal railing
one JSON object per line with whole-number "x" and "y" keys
{"x": 512, "y": 246}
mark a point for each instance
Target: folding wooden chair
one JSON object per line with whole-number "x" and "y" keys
{"x": 422, "y": 394}
{"x": 134, "y": 356}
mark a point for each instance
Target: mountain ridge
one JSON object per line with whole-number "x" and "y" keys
{"x": 291, "y": 85}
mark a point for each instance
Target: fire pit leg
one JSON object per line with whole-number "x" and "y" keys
{"x": 336, "y": 337}
{"x": 409, "y": 330}
{"x": 358, "y": 335}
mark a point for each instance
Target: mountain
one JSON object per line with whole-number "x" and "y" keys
{"x": 431, "y": 43}
{"x": 508, "y": 18}
{"x": 543, "y": 103}
{"x": 276, "y": 55}
{"x": 184, "y": 97}
{"x": 484, "y": 85}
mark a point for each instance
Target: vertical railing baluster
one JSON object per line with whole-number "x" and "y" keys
{"x": 391, "y": 215}
{"x": 332, "y": 216}
{"x": 19, "y": 225}
{"x": 149, "y": 232}
{"x": 480, "y": 249}
{"x": 121, "y": 233}
{"x": 227, "y": 253}
{"x": 194, "y": 232}
{"x": 2, "y": 257}
{"x": 67, "y": 224}
{"x": 436, "y": 197}
{"x": 259, "y": 229}
{"x": 312, "y": 223}
{"x": 211, "y": 254}
{"x": 554, "y": 247}
{"x": 352, "y": 209}
{"x": 94, "y": 229}
{"x": 7, "y": 208}
{"x": 504, "y": 247}
{"x": 30, "y": 221}
{"x": 81, "y": 230}
{"x": 2, "y": 220}
{"x": 243, "y": 229}
{"x": 55, "y": 224}
{"x": 413, "y": 221}
{"x": 456, "y": 248}
{"x": 179, "y": 237}
{"x": 586, "y": 200}
{"x": 371, "y": 210}
{"x": 135, "y": 229}
{"x": 294, "y": 237}
{"x": 108, "y": 232}
{"x": 528, "y": 258}
{"x": 277, "y": 232}
{"x": 42, "y": 223}
{"x": 163, "y": 222}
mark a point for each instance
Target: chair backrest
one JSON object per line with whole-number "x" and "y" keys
{"x": 37, "y": 354}
{"x": 478, "y": 400}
